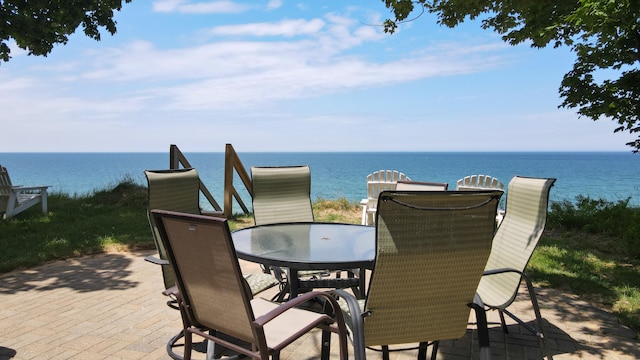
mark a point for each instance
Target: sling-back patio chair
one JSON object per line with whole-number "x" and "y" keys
{"x": 513, "y": 245}
{"x": 16, "y": 199}
{"x": 377, "y": 182}
{"x": 214, "y": 297}
{"x": 179, "y": 190}
{"x": 282, "y": 194}
{"x": 404, "y": 185}
{"x": 431, "y": 249}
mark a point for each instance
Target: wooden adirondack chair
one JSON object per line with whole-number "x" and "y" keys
{"x": 16, "y": 199}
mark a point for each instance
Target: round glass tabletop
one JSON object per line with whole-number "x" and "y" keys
{"x": 307, "y": 245}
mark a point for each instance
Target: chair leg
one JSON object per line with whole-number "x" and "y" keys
{"x": 171, "y": 345}
{"x": 483, "y": 328}
{"x": 536, "y": 310}
{"x": 422, "y": 351}
{"x": 188, "y": 344}
{"x": 538, "y": 331}
{"x": 503, "y": 323}
{"x": 434, "y": 350}
{"x": 326, "y": 345}
{"x": 385, "y": 352}
{"x": 283, "y": 292}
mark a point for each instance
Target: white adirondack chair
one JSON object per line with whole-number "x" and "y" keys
{"x": 482, "y": 182}
{"x": 475, "y": 182}
{"x": 378, "y": 182}
{"x": 16, "y": 199}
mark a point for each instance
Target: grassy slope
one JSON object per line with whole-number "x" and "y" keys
{"x": 593, "y": 266}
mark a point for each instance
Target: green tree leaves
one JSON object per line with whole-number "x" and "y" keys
{"x": 604, "y": 35}
{"x": 37, "y": 25}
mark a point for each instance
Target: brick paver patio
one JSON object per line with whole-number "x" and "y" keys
{"x": 110, "y": 307}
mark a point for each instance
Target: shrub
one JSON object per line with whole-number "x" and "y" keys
{"x": 600, "y": 217}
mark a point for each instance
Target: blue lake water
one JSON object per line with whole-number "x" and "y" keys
{"x": 607, "y": 175}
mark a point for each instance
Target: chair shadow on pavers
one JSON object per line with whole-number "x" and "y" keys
{"x": 94, "y": 273}
{"x": 563, "y": 312}
{"x": 7, "y": 353}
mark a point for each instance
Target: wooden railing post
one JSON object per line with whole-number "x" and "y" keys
{"x": 232, "y": 162}
{"x": 177, "y": 158}
{"x": 229, "y": 155}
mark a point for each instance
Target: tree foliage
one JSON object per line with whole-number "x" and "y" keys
{"x": 604, "y": 34}
{"x": 37, "y": 25}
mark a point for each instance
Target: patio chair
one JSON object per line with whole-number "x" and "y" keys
{"x": 482, "y": 182}
{"x": 16, "y": 199}
{"x": 179, "y": 190}
{"x": 378, "y": 182}
{"x": 431, "y": 249}
{"x": 421, "y": 186}
{"x": 282, "y": 194}
{"x": 513, "y": 245}
{"x": 214, "y": 297}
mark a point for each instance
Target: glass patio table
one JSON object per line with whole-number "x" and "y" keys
{"x": 310, "y": 246}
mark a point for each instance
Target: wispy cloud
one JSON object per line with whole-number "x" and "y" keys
{"x": 199, "y": 7}
{"x": 223, "y": 74}
{"x": 286, "y": 28}
{"x": 330, "y": 74}
{"x": 274, "y": 4}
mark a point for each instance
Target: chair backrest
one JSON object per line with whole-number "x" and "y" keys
{"x": 174, "y": 190}
{"x": 432, "y": 247}
{"x": 5, "y": 188}
{"x": 421, "y": 186}
{"x": 382, "y": 180}
{"x": 208, "y": 274}
{"x": 516, "y": 238}
{"x": 475, "y": 182}
{"x": 281, "y": 194}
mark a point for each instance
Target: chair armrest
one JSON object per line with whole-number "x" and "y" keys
{"x": 522, "y": 274}
{"x": 264, "y": 319}
{"x": 503, "y": 271}
{"x": 365, "y": 205}
{"x": 356, "y": 323}
{"x": 155, "y": 260}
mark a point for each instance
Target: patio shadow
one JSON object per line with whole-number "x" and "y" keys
{"x": 86, "y": 274}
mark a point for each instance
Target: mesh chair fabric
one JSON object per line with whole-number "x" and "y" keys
{"x": 432, "y": 248}
{"x": 281, "y": 194}
{"x": 516, "y": 238}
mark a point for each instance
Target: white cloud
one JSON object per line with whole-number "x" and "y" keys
{"x": 202, "y": 7}
{"x": 286, "y": 28}
{"x": 227, "y": 74}
{"x": 331, "y": 75}
{"x": 223, "y": 75}
{"x": 274, "y": 4}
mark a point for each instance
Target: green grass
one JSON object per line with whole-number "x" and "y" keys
{"x": 113, "y": 219}
{"x": 591, "y": 247}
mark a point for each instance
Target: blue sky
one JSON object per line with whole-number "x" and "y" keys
{"x": 290, "y": 76}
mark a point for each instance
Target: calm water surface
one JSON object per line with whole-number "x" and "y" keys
{"x": 607, "y": 175}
